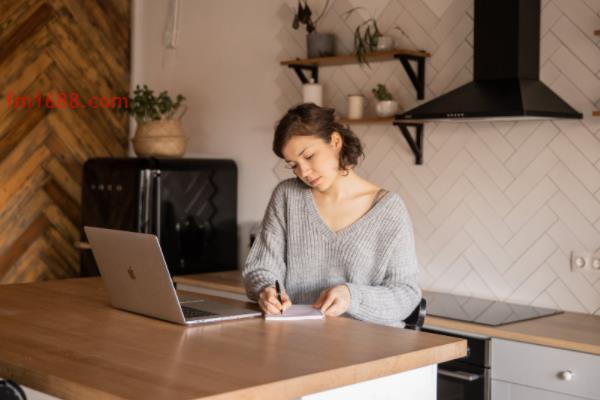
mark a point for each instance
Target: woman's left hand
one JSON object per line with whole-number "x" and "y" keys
{"x": 334, "y": 301}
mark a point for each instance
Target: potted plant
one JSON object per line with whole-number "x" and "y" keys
{"x": 386, "y": 106}
{"x": 159, "y": 131}
{"x": 368, "y": 38}
{"x": 317, "y": 44}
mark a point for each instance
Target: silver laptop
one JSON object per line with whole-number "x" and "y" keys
{"x": 136, "y": 276}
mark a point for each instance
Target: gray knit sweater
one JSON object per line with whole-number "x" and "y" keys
{"x": 375, "y": 256}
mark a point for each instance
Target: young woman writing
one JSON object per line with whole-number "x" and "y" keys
{"x": 330, "y": 237}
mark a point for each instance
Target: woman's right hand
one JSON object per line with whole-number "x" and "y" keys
{"x": 267, "y": 300}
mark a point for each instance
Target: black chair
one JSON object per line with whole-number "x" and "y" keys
{"x": 9, "y": 390}
{"x": 416, "y": 318}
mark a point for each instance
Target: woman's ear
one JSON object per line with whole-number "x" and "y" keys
{"x": 336, "y": 141}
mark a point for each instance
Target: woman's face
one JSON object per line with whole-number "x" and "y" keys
{"x": 313, "y": 160}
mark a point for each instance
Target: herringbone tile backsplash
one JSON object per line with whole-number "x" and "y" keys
{"x": 497, "y": 208}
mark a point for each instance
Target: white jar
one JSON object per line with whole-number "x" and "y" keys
{"x": 356, "y": 104}
{"x": 384, "y": 43}
{"x": 312, "y": 93}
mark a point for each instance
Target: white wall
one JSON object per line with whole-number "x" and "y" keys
{"x": 225, "y": 64}
{"x": 497, "y": 207}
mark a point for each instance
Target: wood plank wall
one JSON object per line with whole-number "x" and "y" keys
{"x": 57, "y": 46}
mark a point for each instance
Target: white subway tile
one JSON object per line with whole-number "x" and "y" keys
{"x": 417, "y": 190}
{"x": 451, "y": 199}
{"x": 446, "y": 180}
{"x": 452, "y": 276}
{"x": 533, "y": 174}
{"x": 488, "y": 161}
{"x": 493, "y": 137}
{"x": 533, "y": 286}
{"x": 580, "y": 14}
{"x": 451, "y": 42}
{"x": 453, "y": 146}
{"x": 521, "y": 131}
{"x": 578, "y": 73}
{"x": 488, "y": 189}
{"x": 530, "y": 204}
{"x": 585, "y": 141}
{"x": 485, "y": 241}
{"x": 451, "y": 17}
{"x": 488, "y": 217}
{"x": 449, "y": 228}
{"x": 576, "y": 192}
{"x": 487, "y": 272}
{"x": 578, "y": 43}
{"x": 537, "y": 226}
{"x": 531, "y": 147}
{"x": 424, "y": 15}
{"x": 577, "y": 223}
{"x": 448, "y": 254}
{"x": 579, "y": 165}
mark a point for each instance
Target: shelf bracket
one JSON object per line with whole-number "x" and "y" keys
{"x": 416, "y": 143}
{"x": 416, "y": 77}
{"x": 299, "y": 69}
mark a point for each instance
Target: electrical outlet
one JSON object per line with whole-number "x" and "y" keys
{"x": 580, "y": 261}
{"x": 595, "y": 262}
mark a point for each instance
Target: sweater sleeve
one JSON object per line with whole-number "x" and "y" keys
{"x": 391, "y": 301}
{"x": 266, "y": 261}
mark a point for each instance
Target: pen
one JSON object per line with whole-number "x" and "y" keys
{"x": 278, "y": 289}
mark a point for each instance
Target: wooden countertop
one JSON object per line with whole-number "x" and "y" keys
{"x": 63, "y": 338}
{"x": 570, "y": 331}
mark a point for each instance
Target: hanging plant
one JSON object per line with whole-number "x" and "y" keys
{"x": 365, "y": 36}
{"x": 303, "y": 16}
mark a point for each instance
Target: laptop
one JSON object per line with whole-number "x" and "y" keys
{"x": 136, "y": 276}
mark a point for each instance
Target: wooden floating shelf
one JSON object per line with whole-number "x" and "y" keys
{"x": 413, "y": 62}
{"x": 596, "y": 113}
{"x": 367, "y": 120}
{"x": 351, "y": 58}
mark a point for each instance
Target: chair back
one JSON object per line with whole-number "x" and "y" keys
{"x": 416, "y": 319}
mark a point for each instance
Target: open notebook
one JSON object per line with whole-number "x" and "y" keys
{"x": 296, "y": 312}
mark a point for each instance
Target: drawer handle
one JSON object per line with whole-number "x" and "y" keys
{"x": 462, "y": 375}
{"x": 565, "y": 375}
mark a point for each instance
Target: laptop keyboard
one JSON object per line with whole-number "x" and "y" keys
{"x": 189, "y": 312}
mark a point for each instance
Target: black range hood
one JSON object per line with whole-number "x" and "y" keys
{"x": 506, "y": 62}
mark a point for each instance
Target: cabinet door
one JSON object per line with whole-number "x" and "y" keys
{"x": 556, "y": 370}
{"x": 512, "y": 391}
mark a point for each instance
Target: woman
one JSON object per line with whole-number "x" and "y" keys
{"x": 330, "y": 237}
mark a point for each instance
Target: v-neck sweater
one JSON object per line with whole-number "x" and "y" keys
{"x": 374, "y": 256}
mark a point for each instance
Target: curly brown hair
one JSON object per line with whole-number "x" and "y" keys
{"x": 308, "y": 119}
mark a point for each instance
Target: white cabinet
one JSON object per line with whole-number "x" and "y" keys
{"x": 512, "y": 391}
{"x": 415, "y": 384}
{"x": 527, "y": 371}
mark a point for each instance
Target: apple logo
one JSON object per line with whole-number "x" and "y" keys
{"x": 131, "y": 273}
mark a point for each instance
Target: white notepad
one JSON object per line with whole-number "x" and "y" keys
{"x": 296, "y": 312}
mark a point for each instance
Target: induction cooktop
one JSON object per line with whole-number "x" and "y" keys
{"x": 481, "y": 311}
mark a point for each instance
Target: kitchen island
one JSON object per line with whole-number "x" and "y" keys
{"x": 568, "y": 343}
{"x": 63, "y": 338}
